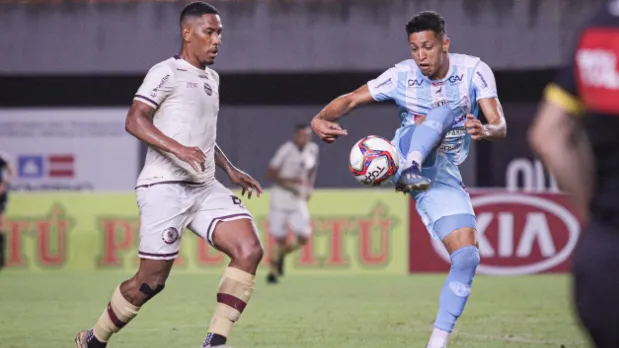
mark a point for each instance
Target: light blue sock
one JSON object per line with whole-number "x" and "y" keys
{"x": 457, "y": 287}
{"x": 430, "y": 132}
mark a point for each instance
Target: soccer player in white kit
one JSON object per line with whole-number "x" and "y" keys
{"x": 439, "y": 95}
{"x": 175, "y": 112}
{"x": 293, "y": 173}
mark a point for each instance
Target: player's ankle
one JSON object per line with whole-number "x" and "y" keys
{"x": 213, "y": 340}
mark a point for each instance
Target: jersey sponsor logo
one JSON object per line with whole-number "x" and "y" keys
{"x": 415, "y": 83}
{"x": 439, "y": 103}
{"x": 208, "y": 89}
{"x": 384, "y": 83}
{"x": 163, "y": 82}
{"x": 456, "y": 79}
{"x": 192, "y": 85}
{"x": 483, "y": 80}
{"x": 170, "y": 235}
{"x": 596, "y": 70}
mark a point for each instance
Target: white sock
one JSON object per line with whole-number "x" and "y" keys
{"x": 438, "y": 339}
{"x": 414, "y": 156}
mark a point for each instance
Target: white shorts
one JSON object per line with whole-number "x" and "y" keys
{"x": 166, "y": 209}
{"x": 297, "y": 220}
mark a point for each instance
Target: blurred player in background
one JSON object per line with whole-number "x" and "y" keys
{"x": 175, "y": 112}
{"x": 439, "y": 95}
{"x": 7, "y": 173}
{"x": 576, "y": 136}
{"x": 293, "y": 173}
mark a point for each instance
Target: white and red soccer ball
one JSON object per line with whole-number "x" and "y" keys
{"x": 373, "y": 160}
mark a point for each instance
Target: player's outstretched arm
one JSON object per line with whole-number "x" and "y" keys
{"x": 139, "y": 123}
{"x": 558, "y": 139}
{"x": 237, "y": 176}
{"x": 325, "y": 123}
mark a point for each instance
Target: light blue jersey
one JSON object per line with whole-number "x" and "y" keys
{"x": 446, "y": 205}
{"x": 468, "y": 80}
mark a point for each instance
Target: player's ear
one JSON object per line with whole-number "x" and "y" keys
{"x": 186, "y": 32}
{"x": 446, "y": 43}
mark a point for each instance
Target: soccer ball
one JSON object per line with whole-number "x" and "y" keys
{"x": 373, "y": 160}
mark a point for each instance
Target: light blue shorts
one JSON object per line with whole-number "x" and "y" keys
{"x": 446, "y": 205}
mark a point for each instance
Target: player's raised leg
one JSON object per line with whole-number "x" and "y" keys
{"x": 239, "y": 240}
{"x": 422, "y": 141}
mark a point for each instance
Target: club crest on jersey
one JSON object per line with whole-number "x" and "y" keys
{"x": 170, "y": 235}
{"x": 208, "y": 89}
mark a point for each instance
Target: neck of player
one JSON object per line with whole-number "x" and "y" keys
{"x": 191, "y": 59}
{"x": 442, "y": 72}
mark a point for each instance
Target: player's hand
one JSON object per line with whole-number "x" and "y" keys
{"x": 193, "y": 155}
{"x": 474, "y": 127}
{"x": 3, "y": 188}
{"x": 247, "y": 183}
{"x": 327, "y": 131}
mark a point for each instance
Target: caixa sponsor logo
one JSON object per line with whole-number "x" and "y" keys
{"x": 521, "y": 234}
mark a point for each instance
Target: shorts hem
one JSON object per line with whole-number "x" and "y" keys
{"x": 157, "y": 256}
{"x": 211, "y": 227}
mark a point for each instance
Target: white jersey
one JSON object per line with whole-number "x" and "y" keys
{"x": 293, "y": 163}
{"x": 186, "y": 100}
{"x": 469, "y": 79}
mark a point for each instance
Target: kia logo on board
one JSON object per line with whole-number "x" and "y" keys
{"x": 520, "y": 234}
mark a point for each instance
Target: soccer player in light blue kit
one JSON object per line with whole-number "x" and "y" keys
{"x": 438, "y": 95}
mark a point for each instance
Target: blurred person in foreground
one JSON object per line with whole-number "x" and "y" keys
{"x": 439, "y": 95}
{"x": 175, "y": 113}
{"x": 7, "y": 173}
{"x": 576, "y": 135}
{"x": 293, "y": 173}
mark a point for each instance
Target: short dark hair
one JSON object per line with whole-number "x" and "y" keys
{"x": 427, "y": 20}
{"x": 197, "y": 9}
{"x": 300, "y": 126}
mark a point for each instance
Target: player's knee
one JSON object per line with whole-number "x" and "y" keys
{"x": 143, "y": 287}
{"x": 442, "y": 115}
{"x": 248, "y": 252}
{"x": 465, "y": 259}
{"x": 302, "y": 240}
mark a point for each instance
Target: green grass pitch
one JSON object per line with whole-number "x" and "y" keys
{"x": 46, "y": 309}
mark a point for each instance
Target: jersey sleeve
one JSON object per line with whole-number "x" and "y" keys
{"x": 280, "y": 155}
{"x": 484, "y": 82}
{"x": 157, "y": 86}
{"x": 563, "y": 90}
{"x": 385, "y": 86}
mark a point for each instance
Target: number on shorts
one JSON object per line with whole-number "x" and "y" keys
{"x": 236, "y": 201}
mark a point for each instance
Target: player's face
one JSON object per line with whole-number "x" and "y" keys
{"x": 302, "y": 136}
{"x": 429, "y": 51}
{"x": 205, "y": 38}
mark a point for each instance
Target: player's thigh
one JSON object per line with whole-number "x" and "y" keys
{"x": 219, "y": 205}
{"x": 596, "y": 269}
{"x": 446, "y": 209}
{"x": 164, "y": 213}
{"x": 278, "y": 223}
{"x": 300, "y": 222}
